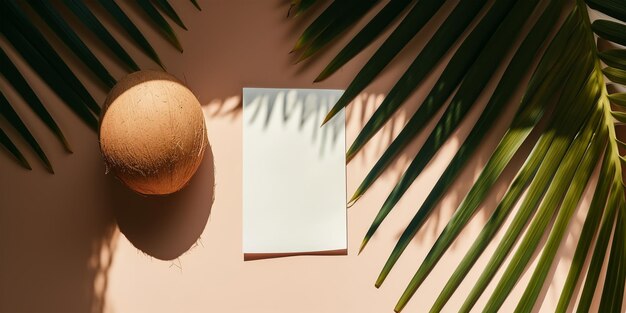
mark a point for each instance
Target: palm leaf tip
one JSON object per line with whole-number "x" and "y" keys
{"x": 195, "y": 4}
{"x": 614, "y": 58}
{"x": 355, "y": 197}
{"x": 615, "y": 75}
{"x": 322, "y": 76}
{"x": 305, "y": 55}
{"x": 15, "y": 120}
{"x": 171, "y": 13}
{"x": 370, "y": 233}
{"x": 300, "y": 6}
{"x": 363, "y": 244}
{"x": 19, "y": 83}
{"x": 162, "y": 25}
{"x": 400, "y": 306}
{"x": 15, "y": 152}
{"x": 618, "y": 99}
{"x": 349, "y": 156}
{"x": 329, "y": 116}
{"x": 300, "y": 43}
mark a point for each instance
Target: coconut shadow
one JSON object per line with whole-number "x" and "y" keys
{"x": 166, "y": 226}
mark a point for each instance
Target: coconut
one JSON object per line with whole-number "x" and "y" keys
{"x": 152, "y": 132}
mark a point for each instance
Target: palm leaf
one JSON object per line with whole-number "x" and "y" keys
{"x": 613, "y": 290}
{"x": 170, "y": 12}
{"x": 476, "y": 78}
{"x": 376, "y": 26}
{"x": 31, "y": 45}
{"x": 592, "y": 223}
{"x": 160, "y": 23}
{"x": 16, "y": 79}
{"x": 568, "y": 82}
{"x": 593, "y": 273}
{"x": 615, "y": 75}
{"x": 71, "y": 39}
{"x": 91, "y": 21}
{"x": 300, "y": 6}
{"x": 49, "y": 74}
{"x": 614, "y": 58}
{"x": 130, "y": 28}
{"x": 14, "y": 119}
{"x": 618, "y": 99}
{"x": 434, "y": 50}
{"x": 558, "y": 139}
{"x": 501, "y": 156}
{"x": 28, "y": 32}
{"x": 348, "y": 16}
{"x": 330, "y": 15}
{"x": 9, "y": 145}
{"x": 415, "y": 19}
{"x": 195, "y": 4}
{"x": 444, "y": 87}
{"x": 525, "y": 121}
{"x": 571, "y": 196}
{"x": 610, "y": 30}
{"x": 613, "y": 8}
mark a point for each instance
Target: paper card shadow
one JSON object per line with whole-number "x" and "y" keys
{"x": 165, "y": 227}
{"x": 261, "y": 256}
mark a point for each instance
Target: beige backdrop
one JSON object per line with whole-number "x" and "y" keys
{"x": 61, "y": 249}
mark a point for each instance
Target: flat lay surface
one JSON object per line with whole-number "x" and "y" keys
{"x": 79, "y": 241}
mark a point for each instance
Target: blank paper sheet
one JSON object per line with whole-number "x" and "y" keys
{"x": 294, "y": 177}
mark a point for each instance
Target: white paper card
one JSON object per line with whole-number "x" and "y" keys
{"x": 294, "y": 177}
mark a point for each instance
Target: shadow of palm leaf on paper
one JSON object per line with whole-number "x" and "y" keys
{"x": 567, "y": 92}
{"x": 29, "y": 43}
{"x": 306, "y": 108}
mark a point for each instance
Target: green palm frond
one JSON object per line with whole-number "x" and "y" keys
{"x": 84, "y": 14}
{"x": 375, "y": 26}
{"x": 123, "y": 20}
{"x": 195, "y": 4}
{"x": 299, "y": 6}
{"x": 14, "y": 119}
{"x": 31, "y": 45}
{"x": 9, "y": 145}
{"x": 568, "y": 89}
{"x": 8, "y": 70}
{"x": 71, "y": 39}
{"x": 348, "y": 13}
{"x": 170, "y": 12}
{"x": 161, "y": 23}
{"x": 25, "y": 29}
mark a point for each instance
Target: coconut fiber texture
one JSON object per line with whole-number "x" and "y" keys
{"x": 152, "y": 132}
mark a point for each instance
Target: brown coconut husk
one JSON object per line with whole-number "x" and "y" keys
{"x": 152, "y": 132}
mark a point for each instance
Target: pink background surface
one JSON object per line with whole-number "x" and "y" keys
{"x": 61, "y": 249}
